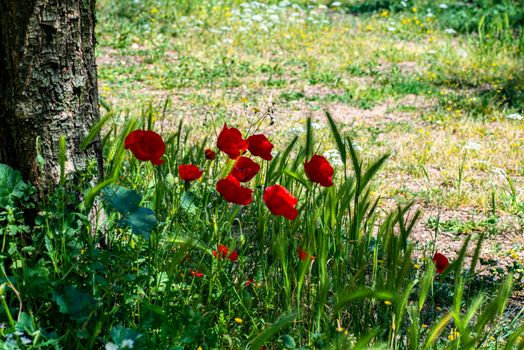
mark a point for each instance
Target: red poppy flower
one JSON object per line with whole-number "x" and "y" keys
{"x": 260, "y": 146}
{"x": 245, "y": 169}
{"x": 441, "y": 262}
{"x": 146, "y": 146}
{"x": 189, "y": 172}
{"x": 233, "y": 256}
{"x": 249, "y": 282}
{"x": 303, "y": 255}
{"x": 230, "y": 189}
{"x": 319, "y": 170}
{"x": 222, "y": 252}
{"x": 210, "y": 154}
{"x": 196, "y": 273}
{"x": 280, "y": 201}
{"x": 230, "y": 142}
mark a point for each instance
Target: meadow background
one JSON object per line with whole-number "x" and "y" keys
{"x": 440, "y": 86}
{"x": 418, "y": 106}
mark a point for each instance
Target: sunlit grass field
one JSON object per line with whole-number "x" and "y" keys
{"x": 438, "y": 87}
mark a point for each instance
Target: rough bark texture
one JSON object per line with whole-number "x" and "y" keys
{"x": 48, "y": 86}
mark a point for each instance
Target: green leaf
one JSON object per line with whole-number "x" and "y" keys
{"x": 298, "y": 178}
{"x": 288, "y": 341}
{"x": 310, "y": 139}
{"x": 95, "y": 130}
{"x": 340, "y": 144}
{"x": 188, "y": 201}
{"x": 267, "y": 333}
{"x": 142, "y": 221}
{"x": 123, "y": 337}
{"x": 121, "y": 199}
{"x": 74, "y": 303}
{"x": 12, "y": 187}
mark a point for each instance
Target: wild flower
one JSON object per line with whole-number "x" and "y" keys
{"x": 146, "y": 146}
{"x": 333, "y": 157}
{"x": 319, "y": 170}
{"x": 209, "y": 154}
{"x": 441, "y": 262}
{"x": 222, "y": 252}
{"x": 230, "y": 142}
{"x": 280, "y": 202}
{"x": 230, "y": 189}
{"x": 260, "y": 146}
{"x": 244, "y": 169}
{"x": 472, "y": 146}
{"x": 189, "y": 172}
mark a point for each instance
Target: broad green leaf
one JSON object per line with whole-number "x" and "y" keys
{"x": 142, "y": 221}
{"x": 74, "y": 303}
{"x": 121, "y": 199}
{"x": 12, "y": 187}
{"x": 288, "y": 341}
{"x": 123, "y": 337}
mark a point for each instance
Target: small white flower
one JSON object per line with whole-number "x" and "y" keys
{"x": 317, "y": 126}
{"x": 336, "y": 4}
{"x": 274, "y": 18}
{"x": 391, "y": 29}
{"x": 25, "y": 340}
{"x": 473, "y": 146}
{"x": 443, "y": 6}
{"x": 333, "y": 157}
{"x": 299, "y": 130}
{"x": 515, "y": 116}
{"x": 111, "y": 346}
{"x": 463, "y": 53}
{"x": 450, "y": 31}
{"x": 128, "y": 343}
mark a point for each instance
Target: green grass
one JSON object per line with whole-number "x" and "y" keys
{"x": 133, "y": 278}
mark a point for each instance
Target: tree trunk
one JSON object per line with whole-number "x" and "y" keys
{"x": 48, "y": 87}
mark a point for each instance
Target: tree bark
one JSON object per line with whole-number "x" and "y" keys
{"x": 48, "y": 87}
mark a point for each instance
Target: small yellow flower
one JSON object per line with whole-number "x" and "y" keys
{"x": 492, "y": 338}
{"x": 238, "y": 320}
{"x": 416, "y": 266}
{"x": 454, "y": 334}
{"x": 199, "y": 348}
{"x": 424, "y": 326}
{"x": 413, "y": 9}
{"x": 244, "y": 100}
{"x": 387, "y": 302}
{"x": 438, "y": 308}
{"x": 154, "y": 10}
